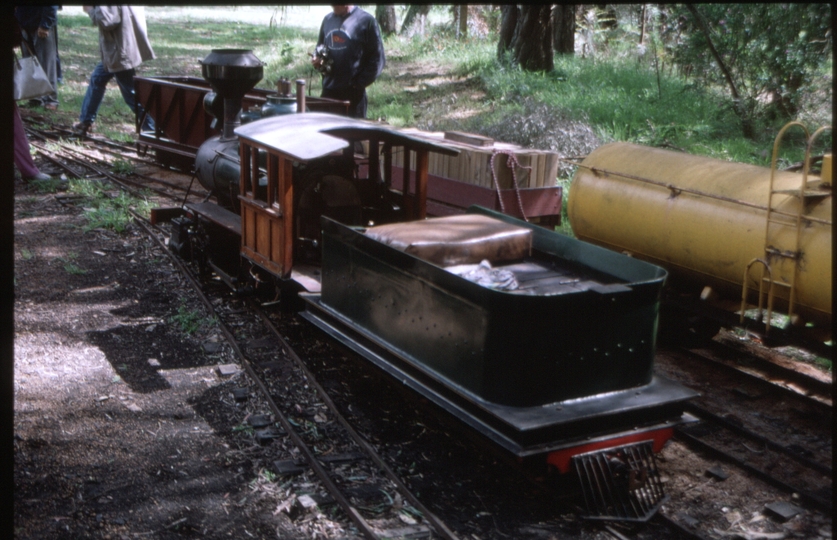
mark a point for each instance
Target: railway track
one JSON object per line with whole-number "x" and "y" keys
{"x": 754, "y": 424}
{"x": 324, "y": 440}
{"x": 801, "y": 412}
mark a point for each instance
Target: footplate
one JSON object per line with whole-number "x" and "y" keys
{"x": 621, "y": 483}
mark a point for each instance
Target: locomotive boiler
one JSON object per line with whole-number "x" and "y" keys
{"x": 724, "y": 231}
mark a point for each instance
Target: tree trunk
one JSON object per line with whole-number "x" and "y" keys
{"x": 642, "y": 17}
{"x": 532, "y": 41}
{"x": 508, "y": 22}
{"x": 463, "y": 22}
{"x": 563, "y": 23}
{"x": 414, "y": 19}
{"x": 746, "y": 122}
{"x": 385, "y": 14}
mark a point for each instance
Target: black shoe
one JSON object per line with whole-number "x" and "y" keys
{"x": 82, "y": 128}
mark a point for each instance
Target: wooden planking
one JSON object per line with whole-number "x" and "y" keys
{"x": 537, "y": 168}
{"x": 277, "y": 244}
{"x": 468, "y": 138}
{"x": 263, "y": 244}
{"x": 447, "y": 197}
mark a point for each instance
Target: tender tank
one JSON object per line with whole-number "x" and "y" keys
{"x": 704, "y": 220}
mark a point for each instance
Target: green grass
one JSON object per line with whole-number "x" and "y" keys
{"x": 122, "y": 166}
{"x": 69, "y": 266}
{"x": 50, "y": 185}
{"x": 616, "y": 93}
{"x": 188, "y": 320}
{"x": 103, "y": 209}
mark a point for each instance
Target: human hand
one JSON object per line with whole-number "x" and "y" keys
{"x": 43, "y": 33}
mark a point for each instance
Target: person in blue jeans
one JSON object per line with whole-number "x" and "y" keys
{"x": 124, "y": 46}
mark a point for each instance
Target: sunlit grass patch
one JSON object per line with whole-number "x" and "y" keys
{"x": 50, "y": 185}
{"x": 106, "y": 210}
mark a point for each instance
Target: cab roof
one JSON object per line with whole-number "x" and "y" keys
{"x": 307, "y": 136}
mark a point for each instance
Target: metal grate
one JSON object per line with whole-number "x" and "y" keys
{"x": 621, "y": 483}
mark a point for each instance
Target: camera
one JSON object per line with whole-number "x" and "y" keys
{"x": 326, "y": 60}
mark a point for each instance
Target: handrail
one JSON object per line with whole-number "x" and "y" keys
{"x": 766, "y": 267}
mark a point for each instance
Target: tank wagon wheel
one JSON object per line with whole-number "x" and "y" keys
{"x": 678, "y": 327}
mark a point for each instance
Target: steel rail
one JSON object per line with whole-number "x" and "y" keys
{"x": 817, "y": 401}
{"x": 706, "y": 414}
{"x": 821, "y": 389}
{"x": 57, "y": 162}
{"x": 122, "y": 182}
{"x": 438, "y": 525}
{"x": 99, "y": 172}
{"x": 145, "y": 161}
{"x": 65, "y": 146}
{"x": 319, "y": 470}
{"x": 807, "y": 496}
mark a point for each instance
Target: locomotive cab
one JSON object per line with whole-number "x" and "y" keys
{"x": 295, "y": 169}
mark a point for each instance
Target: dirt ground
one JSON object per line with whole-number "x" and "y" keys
{"x": 123, "y": 426}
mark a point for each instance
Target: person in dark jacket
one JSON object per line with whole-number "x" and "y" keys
{"x": 39, "y": 25}
{"x": 352, "y": 56}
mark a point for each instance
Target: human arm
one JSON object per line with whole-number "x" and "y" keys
{"x": 372, "y": 57}
{"x": 49, "y": 16}
{"x": 316, "y": 60}
{"x": 105, "y": 17}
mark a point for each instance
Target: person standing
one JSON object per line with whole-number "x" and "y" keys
{"x": 355, "y": 56}
{"x": 20, "y": 143}
{"x": 124, "y": 46}
{"x": 39, "y": 25}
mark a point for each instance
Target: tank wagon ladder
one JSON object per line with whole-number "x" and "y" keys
{"x": 776, "y": 219}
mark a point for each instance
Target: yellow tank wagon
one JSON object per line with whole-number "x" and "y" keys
{"x": 706, "y": 220}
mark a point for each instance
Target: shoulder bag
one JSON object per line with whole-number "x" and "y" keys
{"x": 30, "y": 80}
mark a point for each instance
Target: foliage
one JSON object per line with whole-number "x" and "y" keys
{"x": 614, "y": 91}
{"x": 188, "y": 320}
{"x": 619, "y": 100}
{"x": 122, "y": 166}
{"x": 771, "y": 50}
{"x": 105, "y": 210}
{"x": 49, "y": 185}
{"x": 69, "y": 266}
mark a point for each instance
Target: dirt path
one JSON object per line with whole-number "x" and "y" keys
{"x": 123, "y": 427}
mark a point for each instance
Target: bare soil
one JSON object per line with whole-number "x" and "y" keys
{"x": 123, "y": 427}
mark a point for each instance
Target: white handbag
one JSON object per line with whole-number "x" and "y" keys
{"x": 30, "y": 80}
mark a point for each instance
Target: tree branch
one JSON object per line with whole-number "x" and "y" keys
{"x": 746, "y": 122}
